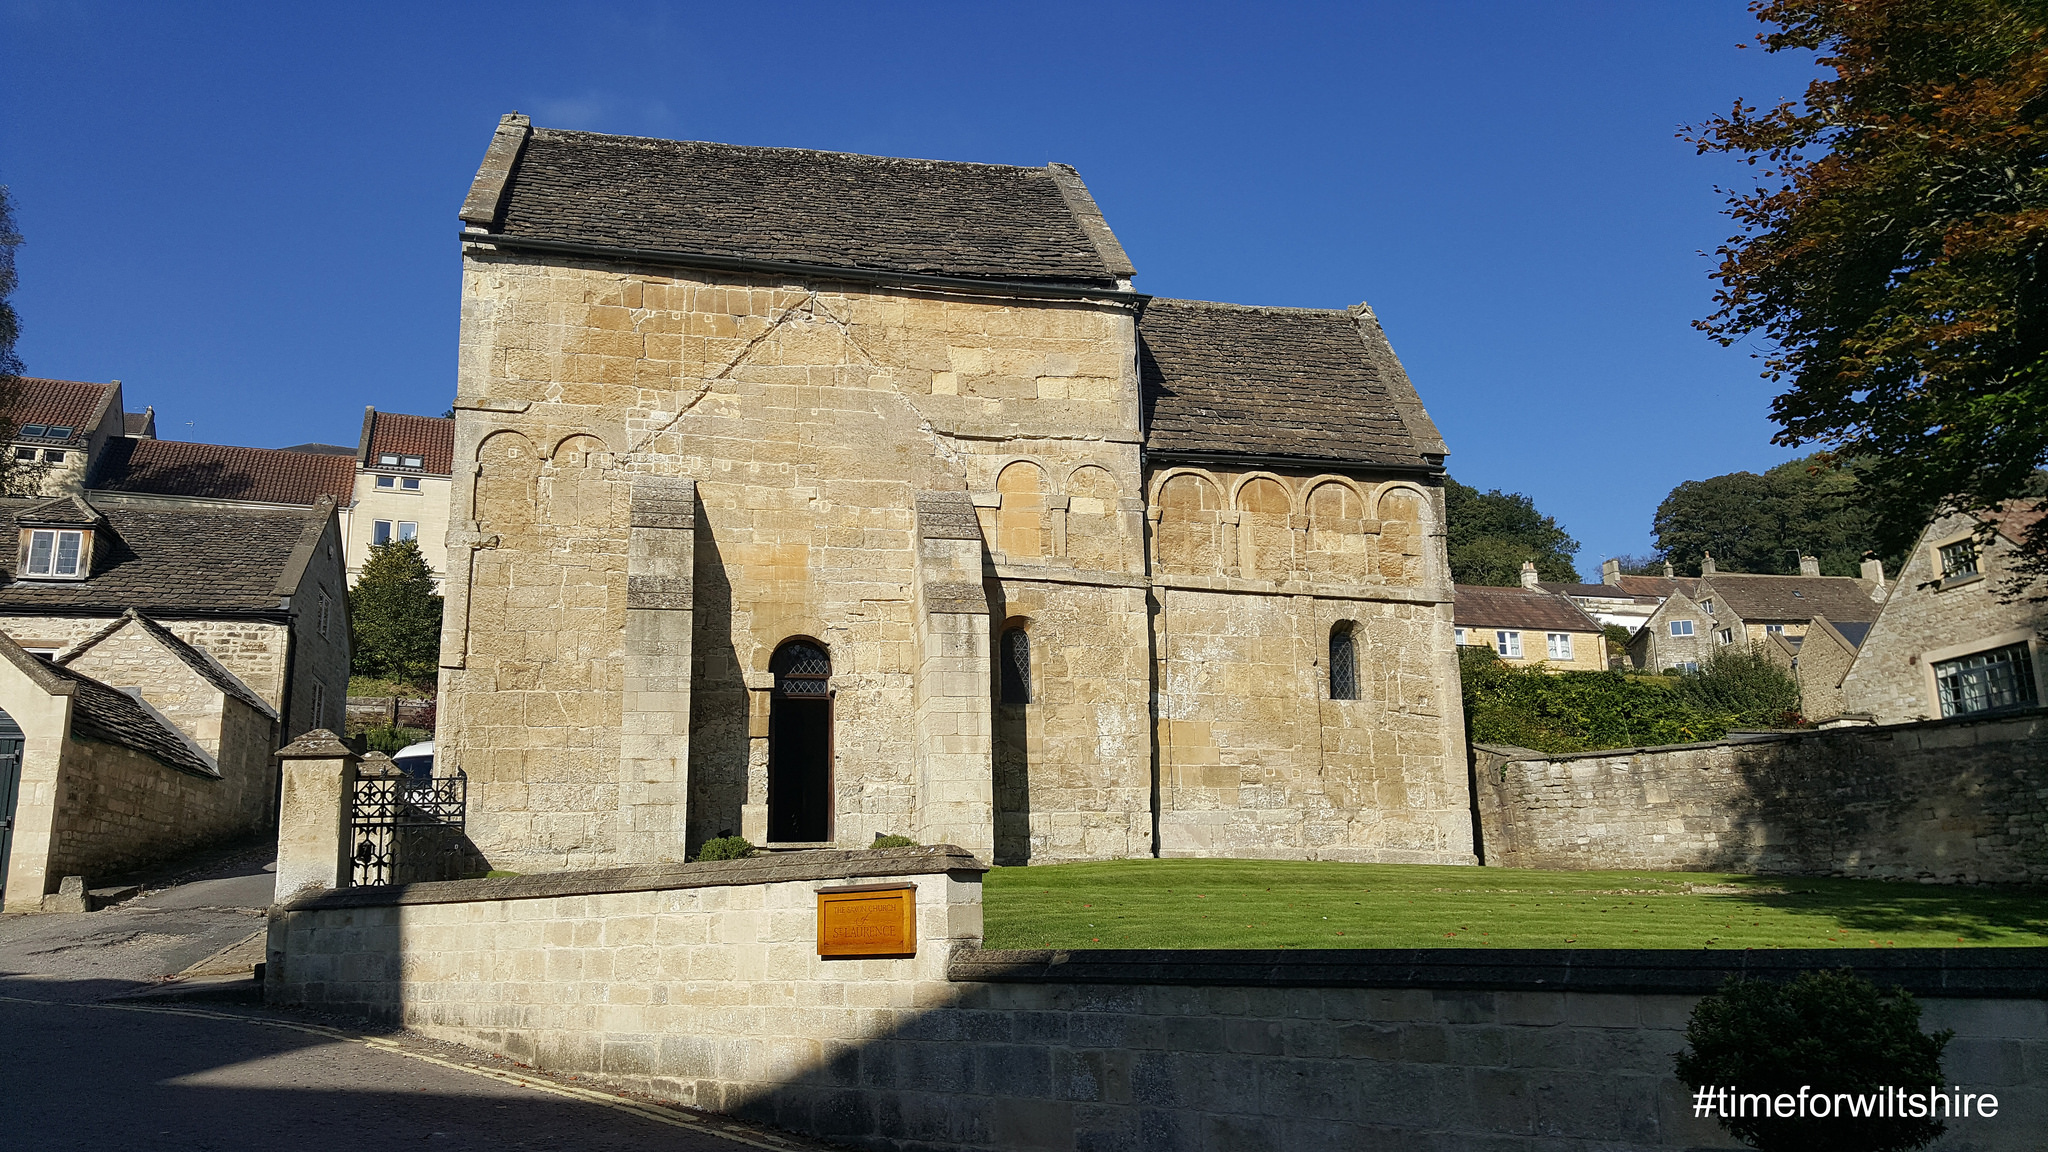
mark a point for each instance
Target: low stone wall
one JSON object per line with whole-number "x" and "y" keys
{"x": 386, "y": 711}
{"x": 701, "y": 984}
{"x": 1958, "y": 800}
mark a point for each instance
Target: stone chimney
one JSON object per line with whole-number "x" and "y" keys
{"x": 1809, "y": 565}
{"x": 1528, "y": 573}
{"x": 1610, "y": 573}
{"x": 1873, "y": 571}
{"x": 1670, "y": 573}
{"x": 1706, "y": 564}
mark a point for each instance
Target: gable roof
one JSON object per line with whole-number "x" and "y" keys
{"x": 1480, "y": 606}
{"x": 1281, "y": 383}
{"x": 222, "y": 472}
{"x": 431, "y": 438}
{"x": 1842, "y": 599}
{"x": 73, "y": 404}
{"x": 199, "y": 661}
{"x": 792, "y": 205}
{"x": 173, "y": 562}
{"x": 111, "y": 716}
{"x": 1662, "y": 587}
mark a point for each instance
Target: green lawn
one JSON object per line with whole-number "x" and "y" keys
{"x": 1268, "y": 904}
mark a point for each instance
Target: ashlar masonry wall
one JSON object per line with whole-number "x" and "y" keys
{"x": 701, "y": 984}
{"x": 1962, "y": 800}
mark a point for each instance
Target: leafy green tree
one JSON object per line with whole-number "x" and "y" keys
{"x": 1745, "y": 686}
{"x": 1818, "y": 1034}
{"x": 1489, "y": 534}
{"x": 16, "y": 477}
{"x": 395, "y": 616}
{"x": 1892, "y": 257}
{"x": 1765, "y": 523}
{"x": 1632, "y": 565}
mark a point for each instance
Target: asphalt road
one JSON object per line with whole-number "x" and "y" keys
{"x": 88, "y": 1065}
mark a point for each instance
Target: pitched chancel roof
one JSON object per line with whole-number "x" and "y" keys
{"x": 173, "y": 562}
{"x": 431, "y": 438}
{"x": 73, "y": 404}
{"x": 1283, "y": 383}
{"x": 1842, "y": 599}
{"x": 1479, "y": 606}
{"x": 836, "y": 209}
{"x": 221, "y": 472}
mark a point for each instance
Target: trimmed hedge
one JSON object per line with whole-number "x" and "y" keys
{"x": 1565, "y": 712}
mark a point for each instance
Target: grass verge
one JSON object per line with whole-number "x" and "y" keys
{"x": 1286, "y": 904}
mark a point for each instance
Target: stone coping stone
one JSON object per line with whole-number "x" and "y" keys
{"x": 776, "y": 868}
{"x": 1514, "y": 754}
{"x": 2006, "y": 973}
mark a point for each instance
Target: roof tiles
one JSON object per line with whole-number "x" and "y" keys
{"x": 1758, "y": 598}
{"x": 793, "y": 205}
{"x": 1481, "y": 606}
{"x": 73, "y": 404}
{"x": 432, "y": 438}
{"x": 221, "y": 472}
{"x": 168, "y": 562}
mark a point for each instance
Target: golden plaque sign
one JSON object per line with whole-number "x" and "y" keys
{"x": 868, "y": 920}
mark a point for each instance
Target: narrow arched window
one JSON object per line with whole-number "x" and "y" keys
{"x": 1343, "y": 663}
{"x": 1016, "y": 660}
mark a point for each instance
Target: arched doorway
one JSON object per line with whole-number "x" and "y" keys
{"x": 10, "y": 791}
{"x": 800, "y": 744}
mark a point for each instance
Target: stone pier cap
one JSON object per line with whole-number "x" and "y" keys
{"x": 772, "y": 868}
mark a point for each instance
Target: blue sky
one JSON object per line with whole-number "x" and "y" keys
{"x": 246, "y": 213}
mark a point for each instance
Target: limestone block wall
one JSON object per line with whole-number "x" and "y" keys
{"x": 1928, "y": 619}
{"x": 116, "y": 808}
{"x": 253, "y": 650}
{"x": 808, "y": 417}
{"x": 701, "y": 984}
{"x": 1962, "y": 800}
{"x": 45, "y": 722}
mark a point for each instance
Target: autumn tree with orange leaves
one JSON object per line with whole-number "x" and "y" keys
{"x": 1893, "y": 253}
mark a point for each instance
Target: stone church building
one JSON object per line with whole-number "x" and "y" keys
{"x": 810, "y": 496}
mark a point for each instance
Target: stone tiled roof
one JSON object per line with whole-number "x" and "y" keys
{"x": 1479, "y": 606}
{"x": 170, "y": 562}
{"x": 987, "y": 221}
{"x": 208, "y": 668}
{"x": 1224, "y": 379}
{"x": 109, "y": 715}
{"x": 72, "y": 404}
{"x": 1660, "y": 587}
{"x": 1842, "y": 599}
{"x": 431, "y": 438}
{"x": 220, "y": 472}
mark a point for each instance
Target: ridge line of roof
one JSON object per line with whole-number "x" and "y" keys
{"x": 1224, "y": 305}
{"x": 622, "y": 140}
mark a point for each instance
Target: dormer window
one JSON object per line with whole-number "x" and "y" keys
{"x": 1707, "y": 606}
{"x": 56, "y": 553}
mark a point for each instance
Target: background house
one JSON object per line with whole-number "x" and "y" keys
{"x": 62, "y": 426}
{"x": 401, "y": 487}
{"x": 1530, "y": 626}
{"x": 1948, "y": 643}
{"x": 1726, "y": 608}
{"x": 1819, "y": 659}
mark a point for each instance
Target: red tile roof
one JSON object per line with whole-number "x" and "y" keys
{"x": 2016, "y": 520}
{"x": 431, "y": 438}
{"x": 73, "y": 404}
{"x": 220, "y": 472}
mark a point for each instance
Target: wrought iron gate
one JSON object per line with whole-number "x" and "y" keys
{"x": 406, "y": 829}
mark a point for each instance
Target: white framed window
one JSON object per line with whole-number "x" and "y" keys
{"x": 409, "y": 483}
{"x": 413, "y": 462}
{"x": 53, "y": 456}
{"x": 60, "y": 432}
{"x": 387, "y": 481}
{"x": 389, "y": 459}
{"x": 1681, "y": 627}
{"x": 407, "y": 530}
{"x": 1560, "y": 645}
{"x": 1987, "y": 681}
{"x": 1689, "y": 666}
{"x": 1508, "y": 644}
{"x": 54, "y": 552}
{"x": 380, "y": 532}
{"x": 1774, "y": 629}
{"x": 1458, "y": 635}
{"x": 25, "y": 454}
{"x": 1959, "y": 560}
{"x": 1707, "y": 606}
{"x": 35, "y": 430}
{"x": 1725, "y": 635}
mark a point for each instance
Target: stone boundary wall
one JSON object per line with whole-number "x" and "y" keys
{"x": 700, "y": 984}
{"x": 1962, "y": 800}
{"x": 384, "y": 711}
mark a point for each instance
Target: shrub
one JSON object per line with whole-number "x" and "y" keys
{"x": 726, "y": 848}
{"x": 390, "y": 740}
{"x": 1575, "y": 711}
{"x": 1833, "y": 1031}
{"x": 1746, "y": 686}
{"x": 891, "y": 841}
